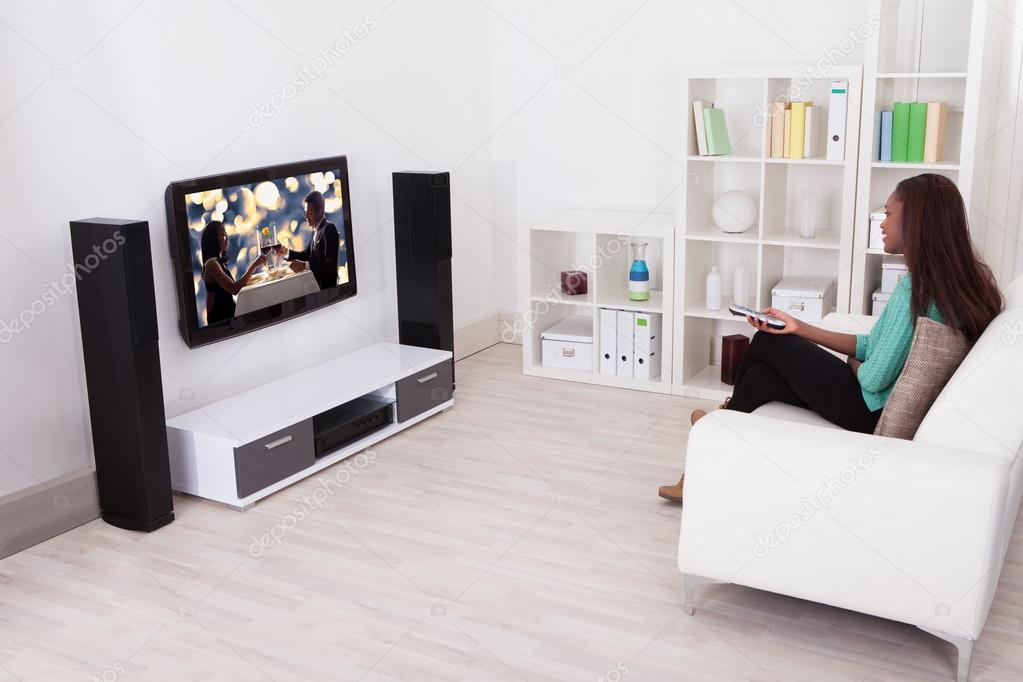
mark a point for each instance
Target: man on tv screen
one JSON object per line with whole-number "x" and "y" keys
{"x": 321, "y": 255}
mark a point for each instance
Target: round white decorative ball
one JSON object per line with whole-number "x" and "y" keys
{"x": 735, "y": 212}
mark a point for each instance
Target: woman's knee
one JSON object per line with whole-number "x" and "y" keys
{"x": 764, "y": 343}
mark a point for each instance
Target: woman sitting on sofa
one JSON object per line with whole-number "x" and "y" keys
{"x": 926, "y": 222}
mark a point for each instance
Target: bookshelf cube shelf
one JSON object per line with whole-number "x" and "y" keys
{"x": 926, "y": 51}
{"x": 598, "y": 243}
{"x": 738, "y": 97}
{"x": 773, "y": 248}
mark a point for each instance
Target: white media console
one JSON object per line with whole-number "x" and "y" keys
{"x": 241, "y": 449}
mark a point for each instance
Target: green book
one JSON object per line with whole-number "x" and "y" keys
{"x": 900, "y": 132}
{"x": 917, "y": 132}
{"x": 717, "y": 132}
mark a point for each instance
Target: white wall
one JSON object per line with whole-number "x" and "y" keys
{"x": 604, "y": 128}
{"x": 104, "y": 103}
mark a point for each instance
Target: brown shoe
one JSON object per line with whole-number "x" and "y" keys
{"x": 672, "y": 493}
{"x": 696, "y": 416}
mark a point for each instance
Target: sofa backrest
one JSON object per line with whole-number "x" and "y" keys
{"x": 980, "y": 409}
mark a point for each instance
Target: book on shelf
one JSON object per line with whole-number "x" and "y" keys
{"x": 900, "y": 131}
{"x": 776, "y": 115}
{"x": 885, "y": 154}
{"x": 796, "y": 136}
{"x": 701, "y": 134}
{"x": 811, "y": 125}
{"x": 917, "y": 132}
{"x": 786, "y": 133}
{"x": 934, "y": 140}
{"x": 717, "y": 132}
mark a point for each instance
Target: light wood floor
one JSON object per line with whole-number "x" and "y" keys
{"x": 516, "y": 537}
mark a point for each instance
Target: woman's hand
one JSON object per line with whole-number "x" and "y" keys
{"x": 791, "y": 323}
{"x": 854, "y": 365}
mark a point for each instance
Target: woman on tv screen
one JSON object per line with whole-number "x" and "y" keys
{"x": 221, "y": 287}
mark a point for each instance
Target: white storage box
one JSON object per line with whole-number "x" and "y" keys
{"x": 569, "y": 344}
{"x": 891, "y": 273}
{"x": 880, "y": 300}
{"x": 876, "y": 238}
{"x": 804, "y": 298}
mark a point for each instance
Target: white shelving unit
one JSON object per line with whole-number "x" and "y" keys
{"x": 773, "y": 248}
{"x": 597, "y": 242}
{"x": 924, "y": 50}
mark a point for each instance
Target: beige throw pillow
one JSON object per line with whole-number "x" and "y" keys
{"x": 936, "y": 353}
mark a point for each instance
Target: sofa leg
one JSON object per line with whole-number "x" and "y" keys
{"x": 690, "y": 583}
{"x": 965, "y": 648}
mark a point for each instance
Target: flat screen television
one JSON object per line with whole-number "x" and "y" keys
{"x": 256, "y": 247}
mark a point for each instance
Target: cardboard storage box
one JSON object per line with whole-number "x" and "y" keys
{"x": 891, "y": 273}
{"x": 805, "y": 298}
{"x": 876, "y": 238}
{"x": 880, "y": 300}
{"x": 569, "y": 344}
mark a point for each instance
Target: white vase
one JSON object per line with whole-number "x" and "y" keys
{"x": 808, "y": 219}
{"x": 714, "y": 289}
{"x": 742, "y": 290}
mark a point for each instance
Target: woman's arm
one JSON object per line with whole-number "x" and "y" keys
{"x": 218, "y": 273}
{"x": 836, "y": 341}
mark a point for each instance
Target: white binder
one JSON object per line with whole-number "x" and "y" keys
{"x": 608, "y": 338}
{"x": 837, "y": 105}
{"x": 647, "y": 344}
{"x": 626, "y": 320}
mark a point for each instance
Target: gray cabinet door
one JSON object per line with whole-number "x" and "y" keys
{"x": 273, "y": 458}
{"x": 424, "y": 390}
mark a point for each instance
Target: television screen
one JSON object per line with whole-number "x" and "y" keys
{"x": 258, "y": 246}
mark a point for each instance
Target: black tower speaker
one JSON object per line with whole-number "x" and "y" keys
{"x": 117, "y": 314}
{"x": 422, "y": 249}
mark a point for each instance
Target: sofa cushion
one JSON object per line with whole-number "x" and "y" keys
{"x": 935, "y": 354}
{"x": 793, "y": 414}
{"x": 979, "y": 408}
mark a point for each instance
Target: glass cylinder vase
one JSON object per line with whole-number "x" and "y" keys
{"x": 639, "y": 273}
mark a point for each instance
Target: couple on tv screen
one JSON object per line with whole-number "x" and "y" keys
{"x": 253, "y": 251}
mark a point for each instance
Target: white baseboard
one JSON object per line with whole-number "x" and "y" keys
{"x": 30, "y": 516}
{"x": 510, "y": 327}
{"x": 474, "y": 336}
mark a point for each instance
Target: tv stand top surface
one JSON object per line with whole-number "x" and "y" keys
{"x": 278, "y": 404}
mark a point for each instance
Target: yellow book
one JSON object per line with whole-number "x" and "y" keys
{"x": 776, "y": 115}
{"x": 798, "y": 132}
{"x": 786, "y": 133}
{"x": 934, "y": 138}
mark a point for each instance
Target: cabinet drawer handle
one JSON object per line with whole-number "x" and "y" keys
{"x": 568, "y": 352}
{"x": 277, "y": 443}
{"x": 797, "y": 306}
{"x": 428, "y": 377}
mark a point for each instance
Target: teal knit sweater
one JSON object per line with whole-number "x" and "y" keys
{"x": 884, "y": 350}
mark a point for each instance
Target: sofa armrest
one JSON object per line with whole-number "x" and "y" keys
{"x": 903, "y": 530}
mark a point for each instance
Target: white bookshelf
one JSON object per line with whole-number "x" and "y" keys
{"x": 773, "y": 248}
{"x": 597, "y": 242}
{"x": 924, "y": 50}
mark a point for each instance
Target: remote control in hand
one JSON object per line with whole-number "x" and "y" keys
{"x": 743, "y": 311}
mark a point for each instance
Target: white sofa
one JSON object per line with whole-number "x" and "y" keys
{"x": 914, "y": 531}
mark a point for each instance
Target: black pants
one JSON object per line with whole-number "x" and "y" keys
{"x": 789, "y": 369}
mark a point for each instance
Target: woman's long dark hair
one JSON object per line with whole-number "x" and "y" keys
{"x": 940, "y": 256}
{"x": 209, "y": 243}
